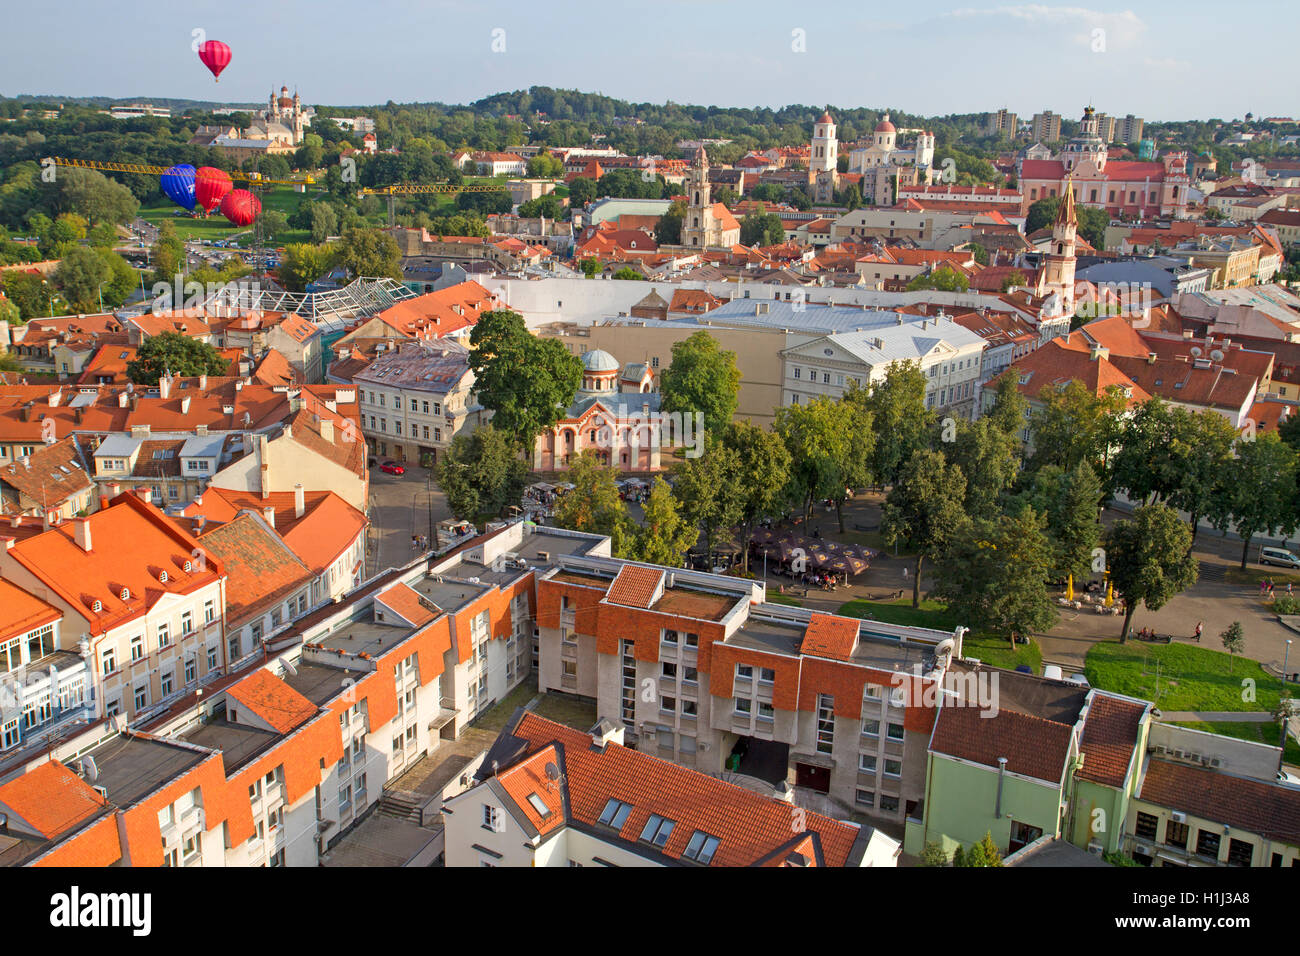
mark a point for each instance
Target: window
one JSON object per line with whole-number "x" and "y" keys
{"x": 744, "y": 672}
{"x": 690, "y": 675}
{"x": 871, "y": 692}
{"x": 871, "y": 728}
{"x": 491, "y": 818}
{"x": 1146, "y": 826}
{"x": 164, "y": 634}
{"x": 893, "y": 768}
{"x": 657, "y": 830}
{"x": 9, "y": 734}
{"x": 866, "y": 798}
{"x": 1207, "y": 843}
{"x": 187, "y": 622}
{"x": 692, "y": 640}
{"x": 212, "y": 658}
{"x": 866, "y": 763}
{"x": 889, "y": 804}
{"x": 668, "y": 704}
{"x": 108, "y": 660}
{"x": 615, "y": 813}
{"x": 1240, "y": 853}
{"x": 137, "y": 647}
{"x": 190, "y": 670}
{"x": 690, "y": 708}
{"x": 765, "y": 711}
{"x": 1176, "y": 834}
{"x": 668, "y": 670}
{"x": 165, "y": 684}
{"x": 701, "y": 848}
{"x": 766, "y": 675}
{"x": 895, "y": 731}
{"x": 141, "y": 696}
{"x": 209, "y": 611}
{"x": 744, "y": 707}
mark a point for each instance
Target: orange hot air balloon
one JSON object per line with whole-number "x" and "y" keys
{"x": 241, "y": 207}
{"x": 211, "y": 186}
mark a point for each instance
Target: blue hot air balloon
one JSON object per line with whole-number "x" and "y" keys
{"x": 178, "y": 185}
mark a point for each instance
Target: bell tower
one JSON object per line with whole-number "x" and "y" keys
{"x": 697, "y": 226}
{"x": 1058, "y": 264}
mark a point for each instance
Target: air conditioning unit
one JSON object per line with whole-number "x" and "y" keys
{"x": 1216, "y": 762}
{"x": 1178, "y": 817}
{"x": 1095, "y": 848}
{"x": 1137, "y": 848}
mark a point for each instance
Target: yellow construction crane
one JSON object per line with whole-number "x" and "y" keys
{"x": 425, "y": 189}
{"x": 143, "y": 170}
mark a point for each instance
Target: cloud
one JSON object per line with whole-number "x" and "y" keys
{"x": 1077, "y": 23}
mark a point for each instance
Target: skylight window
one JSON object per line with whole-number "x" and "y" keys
{"x": 701, "y": 848}
{"x": 615, "y": 813}
{"x": 539, "y": 805}
{"x": 657, "y": 830}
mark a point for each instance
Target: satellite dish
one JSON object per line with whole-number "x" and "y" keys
{"x": 88, "y": 769}
{"x": 293, "y": 671}
{"x": 552, "y": 772}
{"x": 1196, "y": 351}
{"x": 1216, "y": 355}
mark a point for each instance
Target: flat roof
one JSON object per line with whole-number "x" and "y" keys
{"x": 319, "y": 683}
{"x": 692, "y": 602}
{"x": 759, "y": 634}
{"x": 130, "y": 768}
{"x": 364, "y": 635}
{"x": 238, "y": 743}
{"x": 451, "y": 596}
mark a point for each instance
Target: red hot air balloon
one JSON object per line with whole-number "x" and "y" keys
{"x": 211, "y": 186}
{"x": 215, "y": 55}
{"x": 241, "y": 207}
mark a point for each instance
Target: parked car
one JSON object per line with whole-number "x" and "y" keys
{"x": 392, "y": 468}
{"x": 1278, "y": 556}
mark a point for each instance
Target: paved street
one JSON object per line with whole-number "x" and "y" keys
{"x": 400, "y": 506}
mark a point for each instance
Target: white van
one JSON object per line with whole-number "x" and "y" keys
{"x": 1278, "y": 556}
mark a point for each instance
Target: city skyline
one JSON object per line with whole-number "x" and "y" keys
{"x": 1159, "y": 50}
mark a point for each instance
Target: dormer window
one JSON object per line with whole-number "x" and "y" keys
{"x": 189, "y": 566}
{"x": 126, "y": 594}
{"x": 97, "y": 605}
{"x": 162, "y": 577}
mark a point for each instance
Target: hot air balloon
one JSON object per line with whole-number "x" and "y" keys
{"x": 241, "y": 207}
{"x": 211, "y": 186}
{"x": 215, "y": 55}
{"x": 178, "y": 185}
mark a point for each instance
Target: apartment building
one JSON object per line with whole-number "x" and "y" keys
{"x": 141, "y": 597}
{"x": 1002, "y": 123}
{"x": 53, "y": 480}
{"x": 1045, "y": 127}
{"x": 549, "y": 795}
{"x": 701, "y": 671}
{"x": 416, "y": 398}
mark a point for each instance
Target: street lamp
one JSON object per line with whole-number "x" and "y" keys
{"x": 1285, "y": 711}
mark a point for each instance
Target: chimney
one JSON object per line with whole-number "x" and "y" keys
{"x": 185, "y": 405}
{"x": 146, "y": 495}
{"x": 165, "y": 386}
{"x": 122, "y": 400}
{"x": 327, "y": 430}
{"x": 265, "y": 466}
{"x": 1099, "y": 352}
{"x": 198, "y": 500}
{"x": 201, "y": 430}
{"x": 81, "y": 533}
{"x": 299, "y": 501}
{"x": 269, "y": 514}
{"x": 203, "y": 382}
{"x": 605, "y": 732}
{"x": 56, "y": 396}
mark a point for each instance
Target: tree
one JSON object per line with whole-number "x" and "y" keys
{"x": 1013, "y": 280}
{"x": 590, "y": 267}
{"x": 924, "y": 509}
{"x": 303, "y": 263}
{"x": 1074, "y": 424}
{"x": 761, "y": 229}
{"x": 1149, "y": 463}
{"x": 581, "y": 192}
{"x": 370, "y": 252}
{"x": 701, "y": 378}
{"x": 274, "y": 223}
{"x": 1149, "y": 559}
{"x": 761, "y": 473}
{"x": 482, "y": 474}
{"x": 95, "y": 198}
{"x": 901, "y": 420}
{"x": 664, "y": 536}
{"x": 944, "y": 279}
{"x": 1092, "y": 222}
{"x": 668, "y": 230}
{"x": 934, "y": 855}
{"x": 627, "y": 272}
{"x": 527, "y": 382}
{"x": 546, "y": 207}
{"x": 593, "y": 505}
{"x": 979, "y": 253}
{"x": 1009, "y": 411}
{"x": 703, "y": 487}
{"x": 1205, "y": 459}
{"x": 992, "y": 575}
{"x": 122, "y": 279}
{"x": 80, "y": 275}
{"x": 175, "y": 353}
{"x": 986, "y": 455}
{"x": 1257, "y": 494}
{"x": 983, "y": 853}
{"x": 324, "y": 221}
{"x": 817, "y": 440}
{"x": 545, "y": 166}
{"x": 1234, "y": 641}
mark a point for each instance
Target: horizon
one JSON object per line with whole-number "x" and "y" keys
{"x": 1149, "y": 59}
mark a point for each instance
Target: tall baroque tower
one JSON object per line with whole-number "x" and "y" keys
{"x": 823, "y": 160}
{"x": 1058, "y": 264}
{"x": 698, "y": 227}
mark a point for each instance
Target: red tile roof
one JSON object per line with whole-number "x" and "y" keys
{"x": 261, "y": 570}
{"x": 1110, "y": 735}
{"x": 829, "y": 635}
{"x": 1034, "y": 746}
{"x": 21, "y": 612}
{"x": 51, "y": 798}
{"x": 1268, "y": 809}
{"x": 406, "y": 602}
{"x": 635, "y": 586}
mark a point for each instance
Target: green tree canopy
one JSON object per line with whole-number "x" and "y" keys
{"x": 701, "y": 378}
{"x": 923, "y": 510}
{"x": 665, "y": 535}
{"x": 176, "y": 353}
{"x": 370, "y": 252}
{"x": 482, "y": 475}
{"x": 1149, "y": 559}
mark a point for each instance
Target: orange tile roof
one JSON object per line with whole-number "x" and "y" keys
{"x": 51, "y": 798}
{"x": 1034, "y": 746}
{"x": 273, "y": 700}
{"x": 829, "y": 635}
{"x": 635, "y": 586}
{"x": 406, "y": 602}
{"x": 21, "y": 612}
{"x": 439, "y": 313}
{"x": 1269, "y": 809}
{"x": 750, "y": 829}
{"x": 528, "y": 778}
{"x": 1110, "y": 734}
{"x": 131, "y": 544}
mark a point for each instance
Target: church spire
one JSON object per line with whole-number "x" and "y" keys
{"x": 1065, "y": 214}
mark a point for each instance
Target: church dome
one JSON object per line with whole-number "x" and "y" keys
{"x": 598, "y": 360}
{"x": 826, "y": 118}
{"x": 884, "y": 126}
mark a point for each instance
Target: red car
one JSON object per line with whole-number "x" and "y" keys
{"x": 392, "y": 468}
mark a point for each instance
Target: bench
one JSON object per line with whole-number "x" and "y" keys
{"x": 866, "y": 527}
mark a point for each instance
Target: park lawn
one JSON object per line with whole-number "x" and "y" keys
{"x": 931, "y": 614}
{"x": 996, "y": 652}
{"x": 1253, "y": 575}
{"x": 774, "y": 598}
{"x": 1252, "y": 731}
{"x": 570, "y": 711}
{"x": 216, "y": 226}
{"x": 1191, "y": 678}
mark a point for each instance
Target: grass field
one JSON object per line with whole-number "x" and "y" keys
{"x": 774, "y": 598}
{"x": 570, "y": 711}
{"x": 931, "y": 614}
{"x": 1191, "y": 678}
{"x": 216, "y": 226}
{"x": 1243, "y": 730}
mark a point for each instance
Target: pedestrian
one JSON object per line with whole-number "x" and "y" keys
{"x": 1199, "y": 627}
{"x": 415, "y": 542}
{"x": 1288, "y": 587}
{"x": 1263, "y": 586}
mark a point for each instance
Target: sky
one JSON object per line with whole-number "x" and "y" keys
{"x": 1159, "y": 59}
